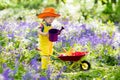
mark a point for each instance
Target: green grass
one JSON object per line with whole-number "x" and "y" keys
{"x": 97, "y": 73}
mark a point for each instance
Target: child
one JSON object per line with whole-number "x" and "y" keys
{"x": 48, "y": 15}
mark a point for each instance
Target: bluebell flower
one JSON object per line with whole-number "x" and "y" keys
{"x": 94, "y": 40}
{"x": 2, "y": 28}
{"x": 6, "y": 74}
{"x": 34, "y": 64}
{"x": 27, "y": 76}
{"x": 83, "y": 41}
{"x": 18, "y": 56}
{"x": 49, "y": 72}
{"x": 36, "y": 76}
{"x": 34, "y": 24}
{"x": 43, "y": 78}
{"x": 64, "y": 21}
{"x": 119, "y": 57}
{"x": 16, "y": 66}
{"x": 112, "y": 39}
{"x": 11, "y": 36}
{"x": 4, "y": 65}
{"x": 60, "y": 72}
{"x": 83, "y": 26}
{"x": 22, "y": 23}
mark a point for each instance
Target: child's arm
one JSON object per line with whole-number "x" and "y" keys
{"x": 40, "y": 31}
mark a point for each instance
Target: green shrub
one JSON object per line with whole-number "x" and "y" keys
{"x": 109, "y": 60}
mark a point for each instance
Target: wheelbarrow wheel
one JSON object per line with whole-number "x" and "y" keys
{"x": 85, "y": 65}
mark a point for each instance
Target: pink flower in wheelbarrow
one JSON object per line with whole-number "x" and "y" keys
{"x": 79, "y": 53}
{"x": 62, "y": 55}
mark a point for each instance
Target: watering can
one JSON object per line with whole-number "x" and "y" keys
{"x": 53, "y": 34}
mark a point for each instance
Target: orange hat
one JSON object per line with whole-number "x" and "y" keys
{"x": 48, "y": 12}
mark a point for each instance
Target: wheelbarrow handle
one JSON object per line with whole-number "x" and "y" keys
{"x": 64, "y": 50}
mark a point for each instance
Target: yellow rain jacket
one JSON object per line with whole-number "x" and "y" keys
{"x": 45, "y": 46}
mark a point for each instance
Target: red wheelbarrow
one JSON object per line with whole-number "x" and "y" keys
{"x": 76, "y": 59}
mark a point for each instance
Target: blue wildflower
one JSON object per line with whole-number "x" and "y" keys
{"x": 6, "y": 74}
{"x": 43, "y": 78}
{"x": 27, "y": 76}
{"x": 60, "y": 72}
{"x": 34, "y": 64}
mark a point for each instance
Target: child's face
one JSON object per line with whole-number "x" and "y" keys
{"x": 49, "y": 20}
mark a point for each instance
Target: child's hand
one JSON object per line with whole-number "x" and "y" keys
{"x": 46, "y": 34}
